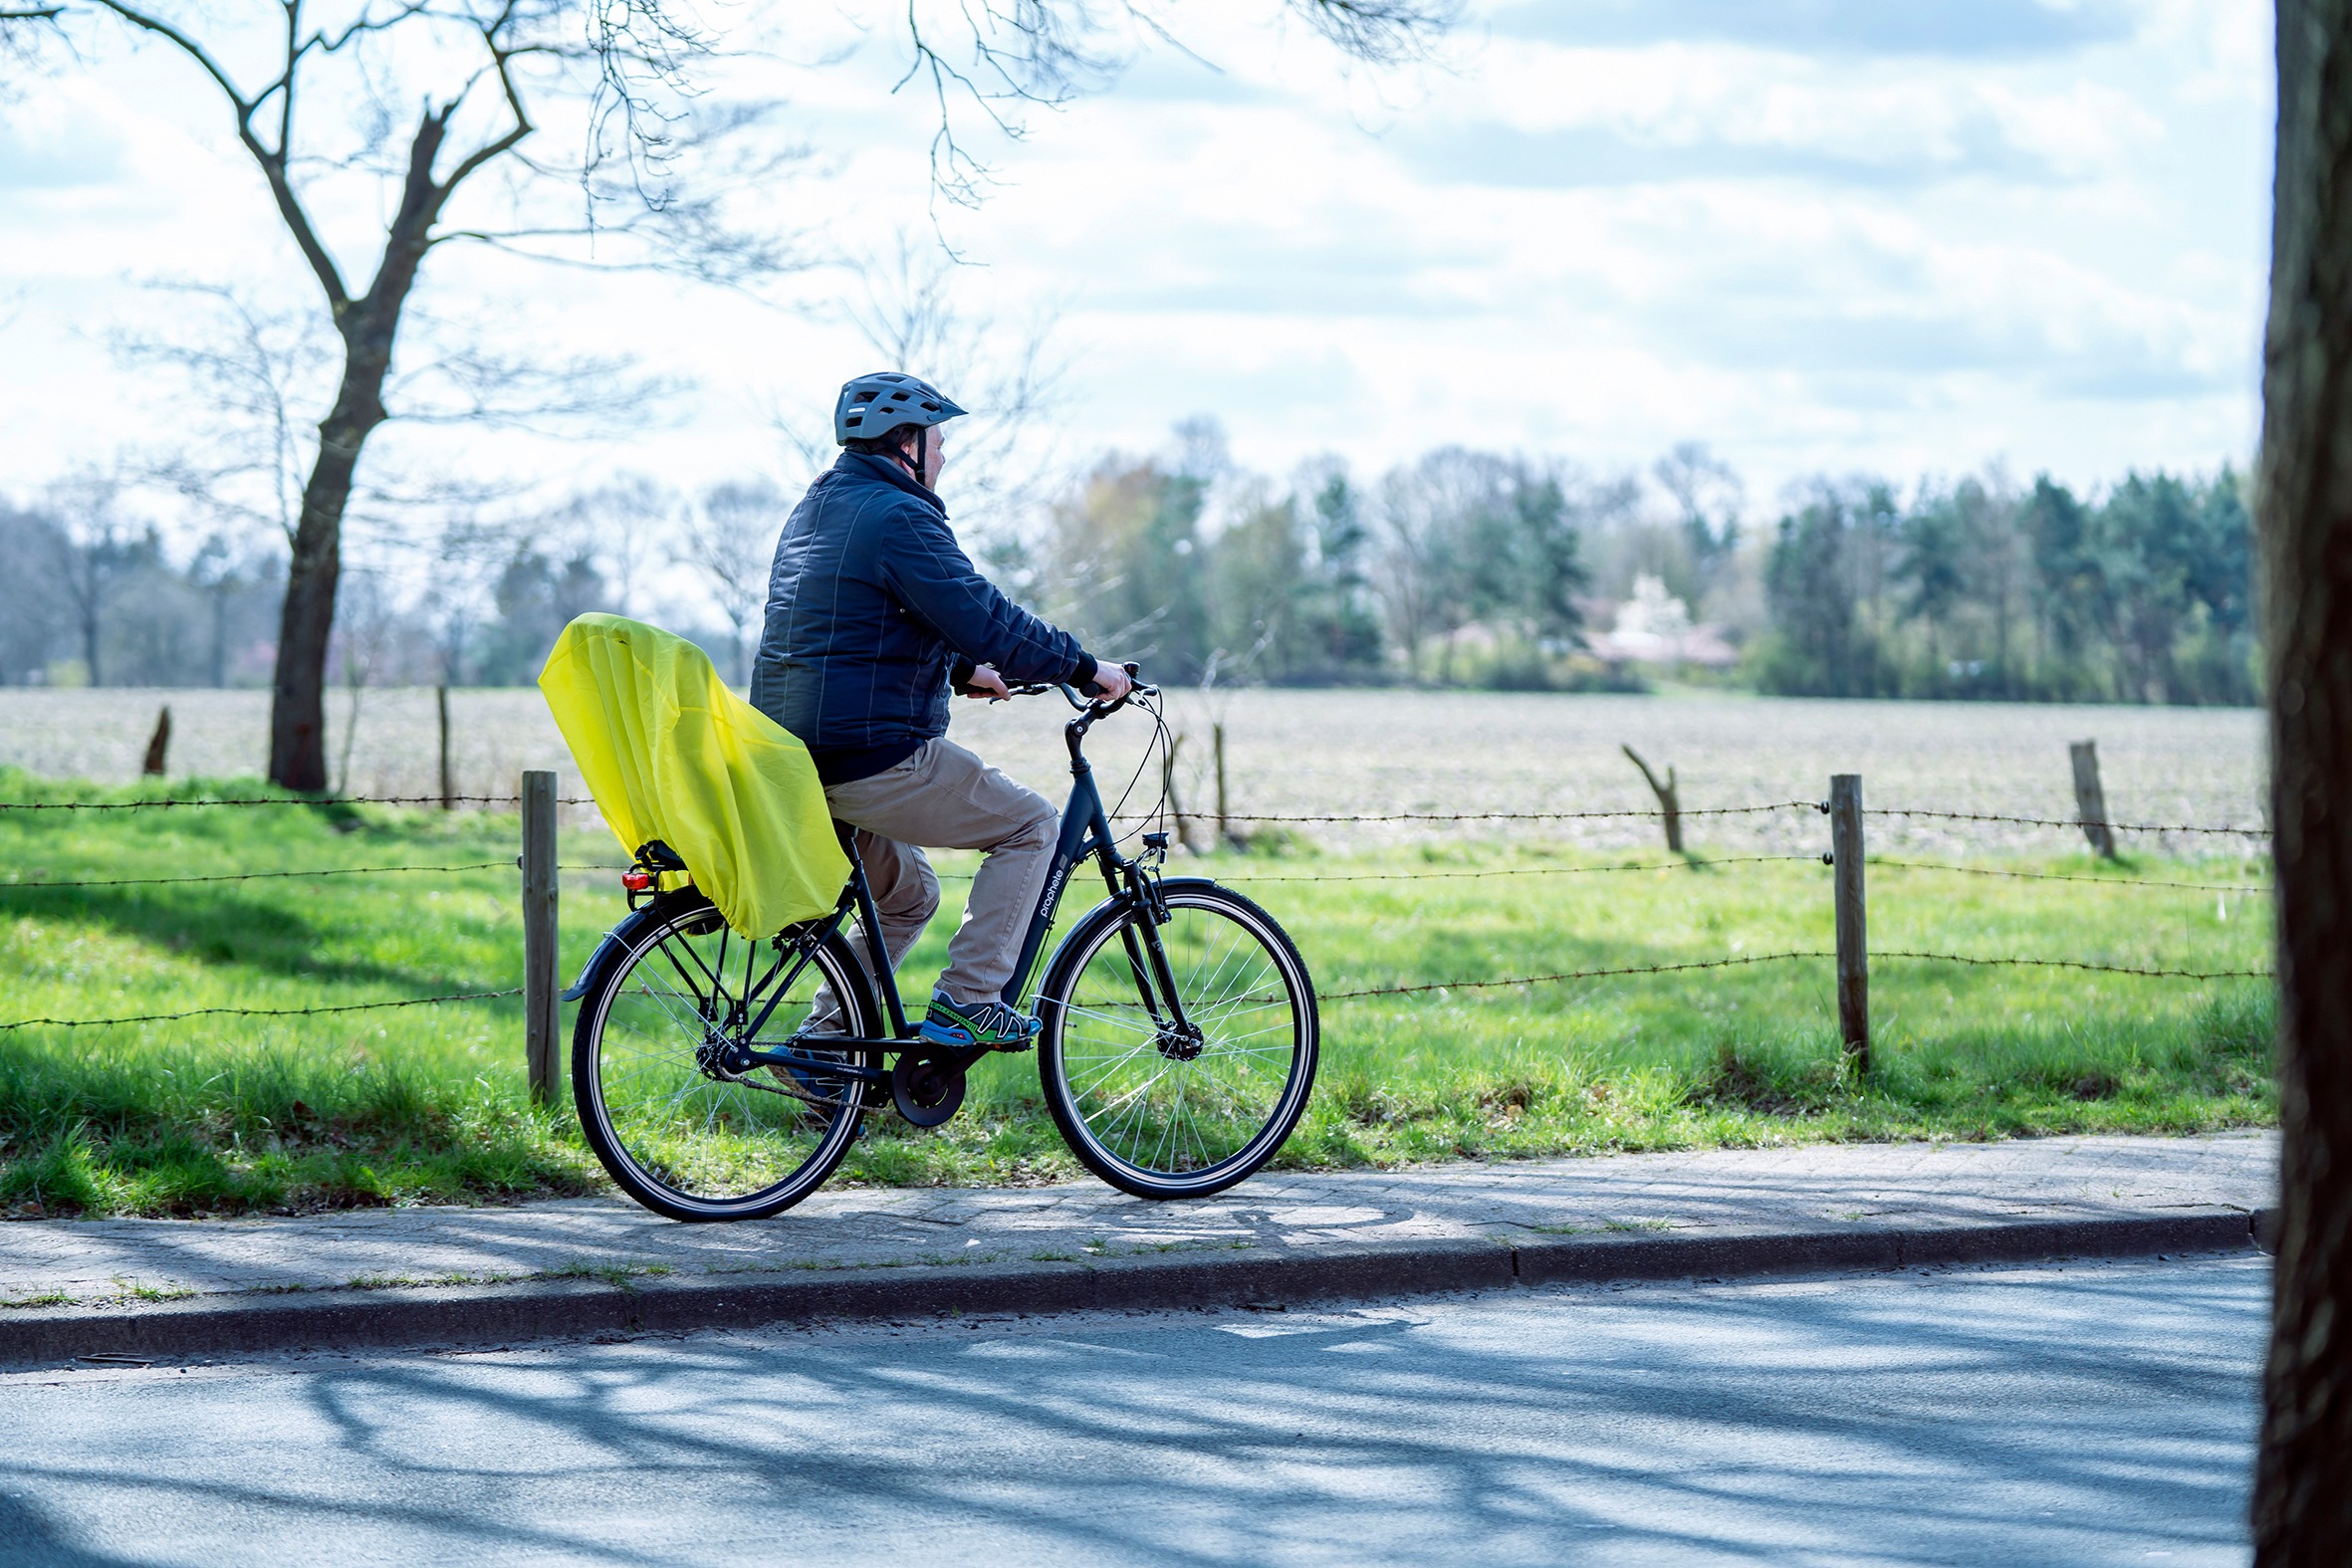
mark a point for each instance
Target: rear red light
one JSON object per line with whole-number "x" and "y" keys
{"x": 637, "y": 881}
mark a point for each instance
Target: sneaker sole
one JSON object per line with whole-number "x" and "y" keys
{"x": 939, "y": 1035}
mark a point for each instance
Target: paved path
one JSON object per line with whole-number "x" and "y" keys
{"x": 120, "y": 1263}
{"x": 2015, "y": 1416}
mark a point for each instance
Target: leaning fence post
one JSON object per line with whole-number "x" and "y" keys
{"x": 1853, "y": 935}
{"x": 2090, "y": 801}
{"x": 1669, "y": 800}
{"x": 157, "y": 744}
{"x": 540, "y": 1015}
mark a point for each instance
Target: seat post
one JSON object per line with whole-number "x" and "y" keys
{"x": 877, "y": 952}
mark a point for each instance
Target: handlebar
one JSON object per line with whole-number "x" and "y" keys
{"x": 1083, "y": 702}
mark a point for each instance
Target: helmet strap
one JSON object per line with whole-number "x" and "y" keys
{"x": 914, "y": 464}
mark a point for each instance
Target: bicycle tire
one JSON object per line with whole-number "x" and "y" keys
{"x": 638, "y": 1105}
{"x": 1115, "y": 1077}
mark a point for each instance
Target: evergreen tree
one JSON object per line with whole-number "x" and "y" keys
{"x": 1818, "y": 646}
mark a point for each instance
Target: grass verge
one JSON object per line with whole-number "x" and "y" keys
{"x": 227, "y": 1115}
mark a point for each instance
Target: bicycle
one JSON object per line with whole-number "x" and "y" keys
{"x": 1176, "y": 1052}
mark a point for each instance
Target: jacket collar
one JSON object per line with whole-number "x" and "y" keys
{"x": 865, "y": 466}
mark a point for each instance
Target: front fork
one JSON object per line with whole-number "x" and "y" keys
{"x": 1178, "y": 1037}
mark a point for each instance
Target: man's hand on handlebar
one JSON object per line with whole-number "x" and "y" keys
{"x": 984, "y": 681}
{"x": 1113, "y": 682}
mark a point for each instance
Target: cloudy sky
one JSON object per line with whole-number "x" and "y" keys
{"x": 1896, "y": 235}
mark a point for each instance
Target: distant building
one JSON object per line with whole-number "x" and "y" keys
{"x": 1654, "y": 627}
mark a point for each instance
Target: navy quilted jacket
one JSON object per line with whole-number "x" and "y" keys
{"x": 871, "y": 607}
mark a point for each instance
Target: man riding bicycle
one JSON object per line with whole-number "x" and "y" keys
{"x": 874, "y": 613}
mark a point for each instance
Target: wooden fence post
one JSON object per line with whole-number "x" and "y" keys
{"x": 1853, "y": 932}
{"x": 2090, "y": 801}
{"x": 542, "y": 1012}
{"x": 448, "y": 786}
{"x": 1176, "y": 802}
{"x": 1224, "y": 831}
{"x": 1669, "y": 800}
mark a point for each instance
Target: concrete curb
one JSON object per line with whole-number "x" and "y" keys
{"x": 263, "y": 1323}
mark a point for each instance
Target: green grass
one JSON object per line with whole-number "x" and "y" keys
{"x": 428, "y": 1104}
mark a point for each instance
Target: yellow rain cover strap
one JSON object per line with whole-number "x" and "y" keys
{"x": 671, "y": 753}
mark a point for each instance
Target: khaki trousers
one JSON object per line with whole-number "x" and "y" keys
{"x": 947, "y": 798}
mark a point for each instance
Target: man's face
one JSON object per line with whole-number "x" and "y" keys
{"x": 934, "y": 456}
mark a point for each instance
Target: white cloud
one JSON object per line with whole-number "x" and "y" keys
{"x": 2038, "y": 232}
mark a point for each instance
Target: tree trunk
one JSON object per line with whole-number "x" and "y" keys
{"x": 368, "y": 325}
{"x": 2302, "y": 1508}
{"x": 220, "y": 635}
{"x": 89, "y": 640}
{"x": 306, "y": 625}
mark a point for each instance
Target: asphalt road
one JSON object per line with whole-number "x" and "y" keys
{"x": 2096, "y": 1413}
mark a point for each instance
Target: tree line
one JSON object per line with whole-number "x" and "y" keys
{"x": 1460, "y": 569}
{"x": 1983, "y": 590}
{"x": 1480, "y": 569}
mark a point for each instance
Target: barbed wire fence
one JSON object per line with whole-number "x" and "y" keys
{"x": 1846, "y": 859}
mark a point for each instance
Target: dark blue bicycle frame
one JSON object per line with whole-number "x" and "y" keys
{"x": 1086, "y": 831}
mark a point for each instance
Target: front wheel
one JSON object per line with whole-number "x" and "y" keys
{"x": 1177, "y": 1095}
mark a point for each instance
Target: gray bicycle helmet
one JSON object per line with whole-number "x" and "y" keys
{"x": 876, "y": 404}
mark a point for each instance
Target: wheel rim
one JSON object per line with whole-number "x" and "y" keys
{"x": 713, "y": 1142}
{"x": 1174, "y": 1107}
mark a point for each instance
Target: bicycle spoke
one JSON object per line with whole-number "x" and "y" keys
{"x": 704, "y": 1136}
{"x": 1168, "y": 1100}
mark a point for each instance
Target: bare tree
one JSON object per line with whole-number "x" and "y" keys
{"x": 1706, "y": 492}
{"x": 97, "y": 554}
{"x": 18, "y": 46}
{"x": 1410, "y": 547}
{"x": 258, "y": 373}
{"x": 624, "y": 523}
{"x": 729, "y": 540}
{"x": 486, "y": 73}
{"x": 917, "y": 310}
{"x": 364, "y": 632}
{"x": 217, "y": 572}
{"x": 2302, "y": 1507}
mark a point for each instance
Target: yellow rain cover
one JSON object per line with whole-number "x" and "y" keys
{"x": 671, "y": 753}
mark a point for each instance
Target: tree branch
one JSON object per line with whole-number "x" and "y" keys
{"x": 514, "y": 100}
{"x": 189, "y": 47}
{"x": 273, "y": 165}
{"x": 294, "y": 54}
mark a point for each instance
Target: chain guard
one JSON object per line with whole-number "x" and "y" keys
{"x": 927, "y": 1088}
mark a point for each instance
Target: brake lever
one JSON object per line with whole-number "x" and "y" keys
{"x": 1103, "y": 707}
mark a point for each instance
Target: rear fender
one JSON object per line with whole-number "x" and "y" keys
{"x": 623, "y": 938}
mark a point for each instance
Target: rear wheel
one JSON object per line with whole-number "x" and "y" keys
{"x": 675, "y": 1128}
{"x": 1163, "y": 1109}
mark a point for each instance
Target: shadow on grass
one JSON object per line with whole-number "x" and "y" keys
{"x": 219, "y": 929}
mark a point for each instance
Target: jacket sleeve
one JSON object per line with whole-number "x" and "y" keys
{"x": 928, "y": 571}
